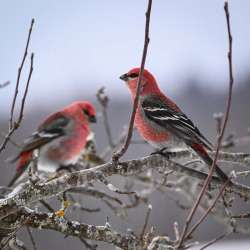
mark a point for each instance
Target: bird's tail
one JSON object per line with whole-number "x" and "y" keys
{"x": 23, "y": 161}
{"x": 201, "y": 151}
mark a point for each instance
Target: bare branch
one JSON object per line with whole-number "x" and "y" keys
{"x": 31, "y": 238}
{"x": 80, "y": 230}
{"x": 94, "y": 193}
{"x": 25, "y": 92}
{"x": 26, "y": 193}
{"x": 103, "y": 100}
{"x": 219, "y": 141}
{"x": 146, "y": 221}
{"x": 207, "y": 211}
{"x": 210, "y": 243}
{"x": 19, "y": 75}
{"x": 14, "y": 125}
{"x": 117, "y": 155}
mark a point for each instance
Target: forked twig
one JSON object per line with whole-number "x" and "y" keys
{"x": 149, "y": 210}
{"x": 14, "y": 125}
{"x": 11, "y": 124}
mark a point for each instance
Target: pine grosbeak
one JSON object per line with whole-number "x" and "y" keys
{"x": 161, "y": 122}
{"x": 59, "y": 140}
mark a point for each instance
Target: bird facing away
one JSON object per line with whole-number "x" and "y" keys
{"x": 161, "y": 122}
{"x": 59, "y": 140}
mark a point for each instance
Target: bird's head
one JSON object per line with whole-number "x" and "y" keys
{"x": 88, "y": 110}
{"x": 148, "y": 82}
{"x": 82, "y": 109}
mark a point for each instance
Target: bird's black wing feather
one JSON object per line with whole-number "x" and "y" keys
{"x": 46, "y": 133}
{"x": 175, "y": 121}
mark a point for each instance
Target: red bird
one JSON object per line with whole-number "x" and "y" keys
{"x": 59, "y": 140}
{"x": 161, "y": 122}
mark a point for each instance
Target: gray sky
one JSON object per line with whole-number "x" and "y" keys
{"x": 80, "y": 45}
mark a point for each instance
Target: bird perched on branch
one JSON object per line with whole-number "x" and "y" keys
{"x": 60, "y": 139}
{"x": 161, "y": 122}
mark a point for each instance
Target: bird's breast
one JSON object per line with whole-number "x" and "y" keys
{"x": 149, "y": 130}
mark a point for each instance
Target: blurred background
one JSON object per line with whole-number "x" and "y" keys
{"x": 80, "y": 46}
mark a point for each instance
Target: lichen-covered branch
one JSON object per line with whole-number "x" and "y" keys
{"x": 27, "y": 193}
{"x": 106, "y": 233}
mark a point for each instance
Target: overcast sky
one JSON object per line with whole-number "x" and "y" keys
{"x": 80, "y": 45}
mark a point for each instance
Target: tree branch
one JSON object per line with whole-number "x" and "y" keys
{"x": 14, "y": 125}
{"x": 19, "y": 74}
{"x": 26, "y": 193}
{"x": 117, "y": 155}
{"x": 103, "y": 100}
{"x": 219, "y": 141}
{"x": 74, "y": 228}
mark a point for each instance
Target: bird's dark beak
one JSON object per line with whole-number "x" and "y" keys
{"x": 92, "y": 119}
{"x": 124, "y": 77}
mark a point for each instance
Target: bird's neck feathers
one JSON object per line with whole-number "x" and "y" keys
{"x": 146, "y": 88}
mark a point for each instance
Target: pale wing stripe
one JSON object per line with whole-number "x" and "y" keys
{"x": 173, "y": 117}
{"x": 165, "y": 118}
{"x": 153, "y": 109}
{"x": 47, "y": 135}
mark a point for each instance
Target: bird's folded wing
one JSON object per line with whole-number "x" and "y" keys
{"x": 175, "y": 121}
{"x": 51, "y": 128}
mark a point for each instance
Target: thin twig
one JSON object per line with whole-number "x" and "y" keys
{"x": 218, "y": 118}
{"x": 146, "y": 221}
{"x": 14, "y": 125}
{"x": 19, "y": 74}
{"x": 208, "y": 210}
{"x": 117, "y": 155}
{"x": 10, "y": 140}
{"x": 26, "y": 91}
{"x": 103, "y": 100}
{"x": 87, "y": 245}
{"x": 241, "y": 216}
{"x": 220, "y": 237}
{"x": 31, "y": 238}
{"x": 219, "y": 141}
{"x": 18, "y": 122}
{"x": 176, "y": 231}
{"x": 47, "y": 206}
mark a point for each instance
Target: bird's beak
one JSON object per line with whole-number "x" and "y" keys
{"x": 124, "y": 77}
{"x": 92, "y": 119}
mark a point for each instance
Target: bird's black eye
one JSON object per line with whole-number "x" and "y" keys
{"x": 85, "y": 112}
{"x": 133, "y": 75}
{"x": 91, "y": 118}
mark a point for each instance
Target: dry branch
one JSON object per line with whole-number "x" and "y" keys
{"x": 14, "y": 125}
{"x": 117, "y": 155}
{"x": 220, "y": 137}
{"x": 25, "y": 194}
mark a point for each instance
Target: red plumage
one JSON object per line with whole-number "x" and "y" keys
{"x": 59, "y": 140}
{"x": 161, "y": 122}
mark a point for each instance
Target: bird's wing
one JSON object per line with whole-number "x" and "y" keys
{"x": 53, "y": 127}
{"x": 175, "y": 121}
